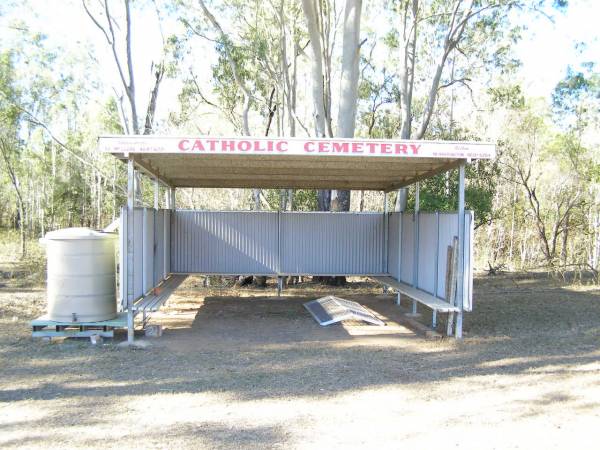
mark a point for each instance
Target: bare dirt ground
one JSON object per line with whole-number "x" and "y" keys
{"x": 245, "y": 369}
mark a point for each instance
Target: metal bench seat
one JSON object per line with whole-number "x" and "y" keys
{"x": 159, "y": 295}
{"x": 420, "y": 296}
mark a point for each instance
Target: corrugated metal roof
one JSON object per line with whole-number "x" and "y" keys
{"x": 184, "y": 165}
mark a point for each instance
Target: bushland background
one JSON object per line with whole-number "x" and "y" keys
{"x": 73, "y": 70}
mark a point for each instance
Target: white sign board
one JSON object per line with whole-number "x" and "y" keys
{"x": 203, "y": 145}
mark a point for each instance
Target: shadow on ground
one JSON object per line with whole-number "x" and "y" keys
{"x": 270, "y": 348}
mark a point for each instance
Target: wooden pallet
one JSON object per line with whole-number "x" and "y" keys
{"x": 45, "y": 328}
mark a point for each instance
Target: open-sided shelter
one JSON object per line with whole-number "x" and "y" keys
{"x": 405, "y": 250}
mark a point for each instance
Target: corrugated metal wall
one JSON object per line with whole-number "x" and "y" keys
{"x": 393, "y": 243}
{"x": 436, "y": 231}
{"x": 150, "y": 239}
{"x": 469, "y": 259}
{"x": 447, "y": 231}
{"x": 427, "y": 251}
{"x": 159, "y": 260}
{"x": 245, "y": 242}
{"x": 270, "y": 243}
{"x": 224, "y": 242}
{"x": 407, "y": 253}
{"x": 332, "y": 243}
{"x": 138, "y": 252}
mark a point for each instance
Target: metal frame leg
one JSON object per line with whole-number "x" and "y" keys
{"x": 279, "y": 286}
{"x": 398, "y": 298}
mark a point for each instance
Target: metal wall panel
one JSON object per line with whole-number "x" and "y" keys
{"x": 224, "y": 242}
{"x": 150, "y": 232}
{"x": 393, "y": 238}
{"x": 167, "y": 242}
{"x": 448, "y": 229}
{"x": 148, "y": 249}
{"x": 123, "y": 258}
{"x": 248, "y": 242}
{"x": 407, "y": 257}
{"x": 159, "y": 246}
{"x": 427, "y": 251}
{"x": 138, "y": 252}
{"x": 434, "y": 239}
{"x": 469, "y": 244}
{"x": 332, "y": 243}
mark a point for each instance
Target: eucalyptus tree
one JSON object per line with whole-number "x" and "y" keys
{"x": 255, "y": 77}
{"x": 443, "y": 44}
{"x": 10, "y": 147}
{"x": 115, "y": 27}
{"x": 322, "y": 18}
{"x": 576, "y": 110}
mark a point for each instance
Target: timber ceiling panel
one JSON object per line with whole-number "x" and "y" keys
{"x": 290, "y": 172}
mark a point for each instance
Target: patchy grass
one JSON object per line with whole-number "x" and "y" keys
{"x": 245, "y": 369}
{"x": 25, "y": 272}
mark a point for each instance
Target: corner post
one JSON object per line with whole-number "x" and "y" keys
{"x": 400, "y": 219}
{"x": 130, "y": 229}
{"x": 416, "y": 244}
{"x": 460, "y": 278}
{"x": 385, "y": 253}
{"x": 279, "y": 243}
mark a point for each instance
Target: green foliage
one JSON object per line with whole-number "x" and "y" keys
{"x": 9, "y": 93}
{"x": 576, "y": 98}
{"x": 109, "y": 118}
{"x": 440, "y": 193}
{"x": 509, "y": 96}
{"x": 303, "y": 199}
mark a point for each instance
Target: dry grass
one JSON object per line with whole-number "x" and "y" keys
{"x": 242, "y": 369}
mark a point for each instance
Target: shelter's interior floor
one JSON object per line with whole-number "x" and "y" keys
{"x": 248, "y": 316}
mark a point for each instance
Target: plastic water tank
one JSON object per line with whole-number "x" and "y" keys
{"x": 81, "y": 275}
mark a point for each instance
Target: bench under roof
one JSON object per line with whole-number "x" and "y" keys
{"x": 291, "y": 163}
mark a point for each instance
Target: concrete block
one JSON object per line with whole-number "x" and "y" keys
{"x": 153, "y": 331}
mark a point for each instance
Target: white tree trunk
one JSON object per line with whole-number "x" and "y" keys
{"x": 310, "y": 14}
{"x": 350, "y": 70}
{"x": 340, "y": 200}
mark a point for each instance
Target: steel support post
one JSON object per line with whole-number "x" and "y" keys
{"x": 166, "y": 238}
{"x": 279, "y": 278}
{"x": 130, "y": 228}
{"x": 460, "y": 278}
{"x": 437, "y": 254}
{"x": 399, "y": 275}
{"x": 385, "y": 253}
{"x": 416, "y": 244}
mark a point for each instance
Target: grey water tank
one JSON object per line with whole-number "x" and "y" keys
{"x": 81, "y": 275}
